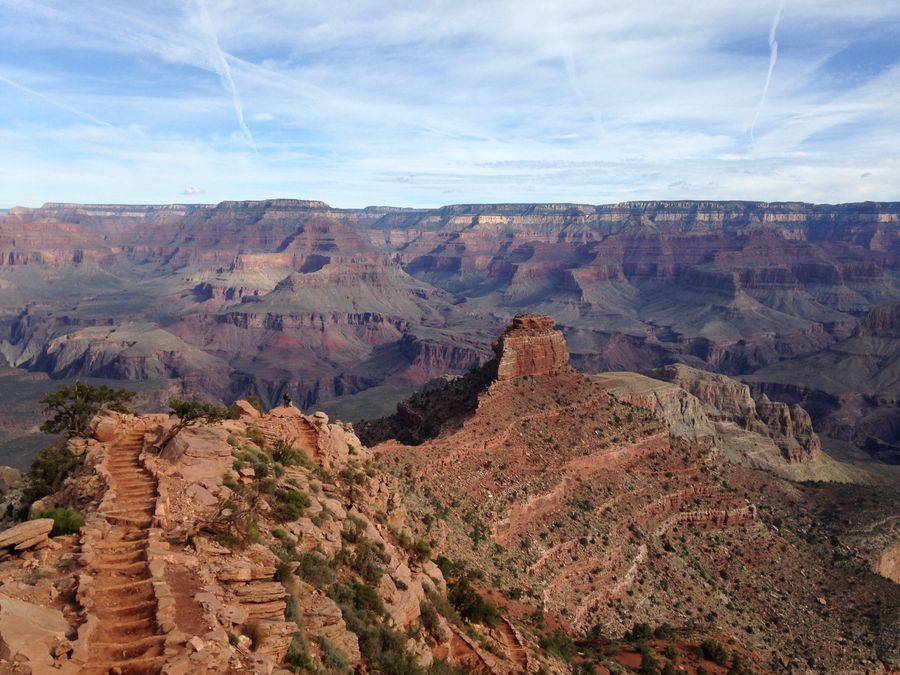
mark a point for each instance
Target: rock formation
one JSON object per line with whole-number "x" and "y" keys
{"x": 789, "y": 426}
{"x": 583, "y": 503}
{"x": 354, "y": 308}
{"x": 26, "y": 535}
{"x": 531, "y": 346}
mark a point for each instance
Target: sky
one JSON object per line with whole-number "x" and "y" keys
{"x": 440, "y": 102}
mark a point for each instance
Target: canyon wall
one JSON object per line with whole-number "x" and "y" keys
{"x": 282, "y": 295}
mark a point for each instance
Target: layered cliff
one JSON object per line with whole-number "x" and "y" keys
{"x": 789, "y": 426}
{"x": 327, "y": 302}
{"x": 531, "y": 346}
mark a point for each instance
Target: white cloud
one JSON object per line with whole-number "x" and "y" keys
{"x": 193, "y": 190}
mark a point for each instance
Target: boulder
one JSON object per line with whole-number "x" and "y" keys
{"x": 31, "y": 633}
{"x": 27, "y": 534}
{"x": 242, "y": 409}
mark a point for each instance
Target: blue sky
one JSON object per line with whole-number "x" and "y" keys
{"x": 437, "y": 102}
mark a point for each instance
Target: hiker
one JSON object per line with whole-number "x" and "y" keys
{"x": 287, "y": 400}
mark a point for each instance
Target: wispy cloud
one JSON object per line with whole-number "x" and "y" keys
{"x": 57, "y": 104}
{"x": 382, "y": 101}
{"x": 219, "y": 61}
{"x": 773, "y": 58}
{"x": 192, "y": 190}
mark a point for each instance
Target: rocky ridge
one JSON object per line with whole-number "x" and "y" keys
{"x": 171, "y": 579}
{"x": 789, "y": 426}
{"x": 573, "y": 499}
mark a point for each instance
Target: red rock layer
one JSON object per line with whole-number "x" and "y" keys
{"x": 531, "y": 346}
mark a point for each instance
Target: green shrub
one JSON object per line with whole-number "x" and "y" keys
{"x": 639, "y": 632}
{"x": 297, "y": 658}
{"x": 740, "y": 665}
{"x": 283, "y": 573}
{"x": 315, "y": 568}
{"x": 47, "y": 472}
{"x": 429, "y": 617}
{"x": 463, "y": 596}
{"x": 72, "y": 407}
{"x": 671, "y": 652}
{"x": 284, "y": 452}
{"x": 290, "y": 504}
{"x": 649, "y": 665}
{"x": 367, "y": 560}
{"x": 256, "y": 435}
{"x": 353, "y": 530}
{"x": 422, "y": 549}
{"x": 470, "y": 605}
{"x": 65, "y": 521}
{"x": 358, "y": 595}
{"x": 190, "y": 413}
{"x": 331, "y": 656}
{"x": 558, "y": 643}
{"x": 663, "y": 631}
{"x": 713, "y": 650}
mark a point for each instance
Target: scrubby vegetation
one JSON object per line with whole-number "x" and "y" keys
{"x": 72, "y": 406}
{"x": 558, "y": 643}
{"x": 65, "y": 520}
{"x": 713, "y": 650}
{"x": 48, "y": 470}
{"x": 464, "y": 598}
{"x": 192, "y": 412}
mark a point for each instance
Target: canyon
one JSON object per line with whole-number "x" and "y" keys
{"x": 519, "y": 517}
{"x": 350, "y": 310}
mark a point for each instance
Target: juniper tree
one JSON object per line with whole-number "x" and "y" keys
{"x": 72, "y": 406}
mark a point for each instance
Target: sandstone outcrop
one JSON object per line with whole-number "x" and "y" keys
{"x": 531, "y": 346}
{"x": 30, "y": 634}
{"x": 26, "y": 535}
{"x": 682, "y": 412}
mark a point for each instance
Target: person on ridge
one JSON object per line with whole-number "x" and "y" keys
{"x": 287, "y": 400}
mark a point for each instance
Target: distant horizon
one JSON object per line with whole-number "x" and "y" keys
{"x": 892, "y": 202}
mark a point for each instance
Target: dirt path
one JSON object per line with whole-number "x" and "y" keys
{"x": 514, "y": 649}
{"x": 126, "y": 639}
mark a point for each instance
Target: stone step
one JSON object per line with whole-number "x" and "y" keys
{"x": 129, "y": 520}
{"x": 131, "y": 649}
{"x": 145, "y": 665}
{"x": 136, "y": 585}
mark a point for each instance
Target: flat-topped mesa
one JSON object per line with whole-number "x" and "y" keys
{"x": 531, "y": 346}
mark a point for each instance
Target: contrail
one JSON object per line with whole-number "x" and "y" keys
{"x": 57, "y": 104}
{"x": 773, "y": 57}
{"x": 220, "y": 63}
